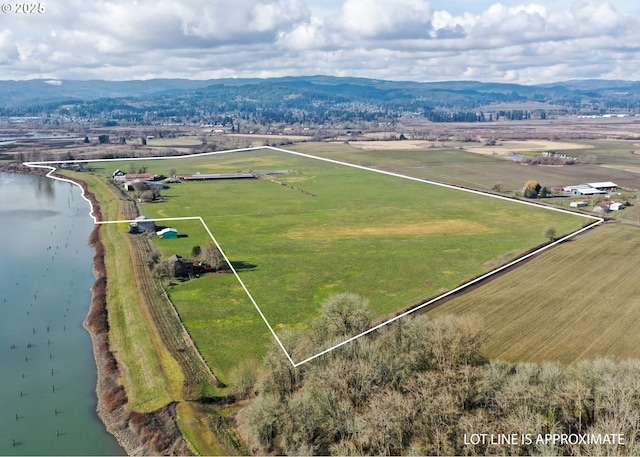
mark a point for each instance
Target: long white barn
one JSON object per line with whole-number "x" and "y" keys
{"x": 591, "y": 188}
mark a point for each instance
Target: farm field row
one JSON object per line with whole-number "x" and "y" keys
{"x": 580, "y": 300}
{"x": 391, "y": 240}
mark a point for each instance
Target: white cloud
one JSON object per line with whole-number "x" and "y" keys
{"x": 381, "y": 18}
{"x": 8, "y": 50}
{"x": 273, "y": 16}
{"x": 404, "y": 39}
{"x": 305, "y": 36}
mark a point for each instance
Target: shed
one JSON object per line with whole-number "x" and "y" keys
{"x": 118, "y": 173}
{"x": 167, "y": 233}
{"x": 142, "y": 224}
{"x": 616, "y": 206}
{"x": 212, "y": 176}
{"x": 578, "y": 204}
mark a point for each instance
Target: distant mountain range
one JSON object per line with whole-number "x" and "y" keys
{"x": 303, "y": 99}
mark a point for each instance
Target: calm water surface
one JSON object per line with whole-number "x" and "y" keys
{"x": 47, "y": 370}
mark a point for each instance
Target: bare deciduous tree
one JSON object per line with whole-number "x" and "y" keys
{"x": 421, "y": 386}
{"x": 345, "y": 314}
{"x": 210, "y": 254}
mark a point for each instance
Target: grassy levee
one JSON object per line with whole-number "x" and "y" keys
{"x": 149, "y": 373}
{"x": 391, "y": 240}
{"x": 580, "y": 300}
{"x": 157, "y": 358}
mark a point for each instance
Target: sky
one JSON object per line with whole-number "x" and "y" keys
{"x": 413, "y": 40}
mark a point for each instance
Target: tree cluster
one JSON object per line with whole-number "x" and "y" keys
{"x": 421, "y": 387}
{"x": 550, "y": 160}
{"x": 458, "y": 116}
{"x": 514, "y": 115}
{"x": 533, "y": 189}
{"x": 209, "y": 255}
{"x": 142, "y": 191}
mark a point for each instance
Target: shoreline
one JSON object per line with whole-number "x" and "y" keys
{"x": 137, "y": 433}
{"x": 155, "y": 433}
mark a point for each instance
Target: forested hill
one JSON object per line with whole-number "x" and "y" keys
{"x": 312, "y": 99}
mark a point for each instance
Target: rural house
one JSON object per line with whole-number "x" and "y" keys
{"x": 560, "y": 155}
{"x": 182, "y": 268}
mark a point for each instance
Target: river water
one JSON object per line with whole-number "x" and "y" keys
{"x": 47, "y": 369}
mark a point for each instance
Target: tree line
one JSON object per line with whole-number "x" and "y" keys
{"x": 422, "y": 387}
{"x": 302, "y": 99}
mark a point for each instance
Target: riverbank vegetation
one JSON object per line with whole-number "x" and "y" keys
{"x": 147, "y": 373}
{"x": 422, "y": 387}
{"x": 143, "y": 377}
{"x": 152, "y": 432}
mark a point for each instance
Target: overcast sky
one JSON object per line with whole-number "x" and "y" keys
{"x": 419, "y": 40}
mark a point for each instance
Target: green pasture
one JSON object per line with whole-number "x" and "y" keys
{"x": 450, "y": 164}
{"x": 391, "y": 240}
{"x": 580, "y": 300}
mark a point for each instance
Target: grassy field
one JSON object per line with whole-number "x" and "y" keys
{"x": 391, "y": 240}
{"x": 456, "y": 166}
{"x": 579, "y": 300}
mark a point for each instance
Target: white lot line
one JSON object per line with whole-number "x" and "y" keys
{"x": 198, "y": 218}
{"x": 50, "y": 175}
{"x": 50, "y": 165}
{"x": 52, "y": 169}
{"x": 597, "y": 221}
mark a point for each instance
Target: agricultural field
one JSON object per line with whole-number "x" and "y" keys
{"x": 454, "y": 163}
{"x": 580, "y": 300}
{"x": 323, "y": 229}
